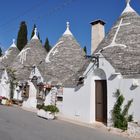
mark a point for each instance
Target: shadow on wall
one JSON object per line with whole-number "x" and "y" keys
{"x": 78, "y": 87}
{"x": 133, "y": 87}
{"x": 112, "y": 77}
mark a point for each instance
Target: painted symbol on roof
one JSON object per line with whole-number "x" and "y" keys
{"x": 113, "y": 43}
{"x": 53, "y": 51}
{"x": 23, "y": 54}
{"x": 6, "y": 54}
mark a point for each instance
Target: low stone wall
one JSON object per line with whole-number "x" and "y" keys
{"x": 134, "y": 130}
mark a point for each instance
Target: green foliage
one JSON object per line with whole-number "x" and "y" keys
{"x": 85, "y": 49}
{"x": 22, "y": 36}
{"x": 0, "y": 52}
{"x": 39, "y": 37}
{"x": 40, "y": 106}
{"x": 47, "y": 45}
{"x": 120, "y": 117}
{"x": 51, "y": 108}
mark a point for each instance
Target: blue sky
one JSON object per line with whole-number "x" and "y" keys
{"x": 50, "y": 16}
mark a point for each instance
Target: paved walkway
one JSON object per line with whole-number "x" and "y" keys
{"x": 17, "y": 124}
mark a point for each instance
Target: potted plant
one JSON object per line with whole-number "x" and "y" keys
{"x": 47, "y": 112}
{"x": 4, "y": 101}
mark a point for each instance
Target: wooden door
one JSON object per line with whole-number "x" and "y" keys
{"x": 101, "y": 101}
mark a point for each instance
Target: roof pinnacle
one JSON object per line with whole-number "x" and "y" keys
{"x": 35, "y": 34}
{"x": 128, "y": 7}
{"x": 14, "y": 44}
{"x": 68, "y": 25}
{"x": 128, "y": 1}
{"x": 67, "y": 32}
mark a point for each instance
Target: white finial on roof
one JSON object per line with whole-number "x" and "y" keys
{"x": 68, "y": 25}
{"x": 68, "y": 32}
{"x": 14, "y": 44}
{"x": 128, "y": 1}
{"x": 35, "y": 34}
{"x": 128, "y": 7}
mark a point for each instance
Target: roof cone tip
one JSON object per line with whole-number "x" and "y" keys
{"x": 128, "y": 7}
{"x": 67, "y": 32}
{"x": 128, "y": 2}
{"x": 13, "y": 44}
{"x": 35, "y": 34}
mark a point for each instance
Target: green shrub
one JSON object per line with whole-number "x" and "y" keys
{"x": 51, "y": 108}
{"x": 120, "y": 117}
{"x": 40, "y": 106}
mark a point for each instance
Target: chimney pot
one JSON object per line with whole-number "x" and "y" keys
{"x": 97, "y": 34}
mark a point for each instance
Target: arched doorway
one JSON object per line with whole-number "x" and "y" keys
{"x": 100, "y": 96}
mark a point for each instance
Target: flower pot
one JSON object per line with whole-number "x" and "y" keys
{"x": 45, "y": 114}
{"x": 4, "y": 101}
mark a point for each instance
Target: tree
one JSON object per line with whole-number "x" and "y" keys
{"x": 39, "y": 37}
{"x": 47, "y": 45}
{"x": 85, "y": 49}
{"x": 32, "y": 34}
{"x": 22, "y": 36}
{"x": 0, "y": 52}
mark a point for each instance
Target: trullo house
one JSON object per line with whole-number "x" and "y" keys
{"x": 115, "y": 64}
{"x": 84, "y": 86}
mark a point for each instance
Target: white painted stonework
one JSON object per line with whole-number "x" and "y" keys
{"x": 79, "y": 103}
{"x": 36, "y": 72}
{"x": 51, "y": 97}
{"x": 45, "y": 114}
{"x": 17, "y": 93}
{"x": 48, "y": 99}
{"x": 52, "y": 51}
{"x": 31, "y": 101}
{"x": 113, "y": 43}
{"x": 23, "y": 54}
{"x": 5, "y": 85}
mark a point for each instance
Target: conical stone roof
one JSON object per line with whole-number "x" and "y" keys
{"x": 33, "y": 54}
{"x": 7, "y": 59}
{"x": 121, "y": 46}
{"x": 65, "y": 62}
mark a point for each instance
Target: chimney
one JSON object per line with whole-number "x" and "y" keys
{"x": 97, "y": 34}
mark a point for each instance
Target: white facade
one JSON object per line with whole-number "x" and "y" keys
{"x": 32, "y": 100}
{"x": 17, "y": 93}
{"x": 5, "y": 85}
{"x": 80, "y": 104}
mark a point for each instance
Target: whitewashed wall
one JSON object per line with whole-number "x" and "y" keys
{"x": 80, "y": 104}
{"x": 5, "y": 85}
{"x": 115, "y": 82}
{"x": 77, "y": 103}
